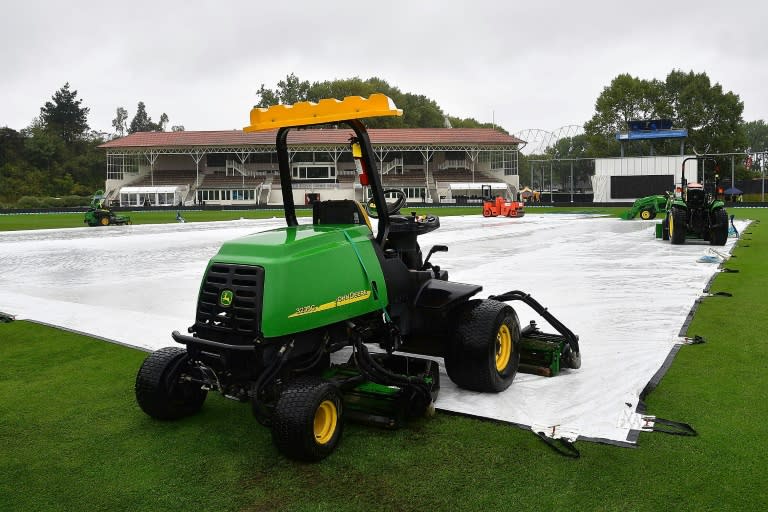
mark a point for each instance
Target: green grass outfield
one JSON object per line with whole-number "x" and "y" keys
{"x": 72, "y": 437}
{"x": 15, "y": 222}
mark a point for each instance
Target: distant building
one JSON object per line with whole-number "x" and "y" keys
{"x": 628, "y": 178}
{"x": 235, "y": 168}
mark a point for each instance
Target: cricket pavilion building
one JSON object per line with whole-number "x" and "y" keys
{"x": 447, "y": 165}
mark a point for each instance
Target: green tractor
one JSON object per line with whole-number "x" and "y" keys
{"x": 274, "y": 306}
{"x": 647, "y": 207}
{"x": 696, "y": 212}
{"x": 99, "y": 215}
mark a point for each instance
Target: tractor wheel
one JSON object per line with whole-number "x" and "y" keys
{"x": 647, "y": 214}
{"x": 487, "y": 212}
{"x": 307, "y": 419}
{"x": 719, "y": 234}
{"x": 484, "y": 353}
{"x": 104, "y": 221}
{"x": 160, "y": 391}
{"x": 665, "y": 228}
{"x": 677, "y": 226}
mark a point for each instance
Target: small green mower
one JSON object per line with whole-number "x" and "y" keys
{"x": 99, "y": 215}
{"x": 274, "y": 306}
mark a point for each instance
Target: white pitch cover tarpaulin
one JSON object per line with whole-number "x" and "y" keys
{"x": 625, "y": 294}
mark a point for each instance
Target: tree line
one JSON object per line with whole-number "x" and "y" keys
{"x": 55, "y": 161}
{"x": 57, "y": 154}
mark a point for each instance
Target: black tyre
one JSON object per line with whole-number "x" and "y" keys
{"x": 719, "y": 234}
{"x": 484, "y": 352}
{"x": 677, "y": 226}
{"x": 161, "y": 390}
{"x": 647, "y": 214}
{"x": 665, "y": 228}
{"x": 307, "y": 419}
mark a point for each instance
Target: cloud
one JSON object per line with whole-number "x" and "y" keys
{"x": 539, "y": 64}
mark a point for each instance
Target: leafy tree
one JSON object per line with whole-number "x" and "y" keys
{"x": 120, "y": 122}
{"x": 288, "y": 91}
{"x": 757, "y": 135}
{"x": 141, "y": 122}
{"x": 163, "y": 122}
{"x": 470, "y": 122}
{"x": 419, "y": 111}
{"x": 625, "y": 99}
{"x": 64, "y": 116}
{"x": 11, "y": 145}
{"x": 43, "y": 149}
{"x": 712, "y": 117}
{"x": 177, "y": 128}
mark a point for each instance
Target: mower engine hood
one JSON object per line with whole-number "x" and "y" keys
{"x": 314, "y": 275}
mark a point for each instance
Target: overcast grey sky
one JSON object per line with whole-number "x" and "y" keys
{"x": 538, "y": 64}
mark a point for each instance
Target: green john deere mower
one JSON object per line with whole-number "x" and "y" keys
{"x": 99, "y": 215}
{"x": 696, "y": 212}
{"x": 274, "y": 306}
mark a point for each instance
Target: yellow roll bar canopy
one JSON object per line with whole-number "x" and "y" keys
{"x": 326, "y": 111}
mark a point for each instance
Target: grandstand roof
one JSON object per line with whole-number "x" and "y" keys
{"x": 390, "y": 136}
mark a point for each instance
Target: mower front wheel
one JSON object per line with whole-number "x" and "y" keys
{"x": 161, "y": 391}
{"x": 485, "y": 352}
{"x": 307, "y": 419}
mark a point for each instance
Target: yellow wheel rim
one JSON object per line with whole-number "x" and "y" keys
{"x": 503, "y": 348}
{"x": 645, "y": 215}
{"x": 104, "y": 221}
{"x": 671, "y": 225}
{"x": 326, "y": 417}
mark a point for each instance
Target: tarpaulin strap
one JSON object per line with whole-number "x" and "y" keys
{"x": 561, "y": 446}
{"x": 674, "y": 428}
{"x": 720, "y": 294}
{"x": 696, "y": 340}
{"x": 729, "y": 270}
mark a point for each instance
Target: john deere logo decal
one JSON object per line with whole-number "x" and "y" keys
{"x": 225, "y": 299}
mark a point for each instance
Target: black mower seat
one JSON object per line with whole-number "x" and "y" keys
{"x": 339, "y": 211}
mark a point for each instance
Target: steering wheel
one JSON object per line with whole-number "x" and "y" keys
{"x": 393, "y": 204}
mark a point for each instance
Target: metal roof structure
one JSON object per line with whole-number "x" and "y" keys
{"x": 538, "y": 140}
{"x": 323, "y": 139}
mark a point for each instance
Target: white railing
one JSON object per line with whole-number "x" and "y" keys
{"x": 392, "y": 165}
{"x": 453, "y": 164}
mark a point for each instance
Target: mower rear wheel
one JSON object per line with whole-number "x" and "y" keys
{"x": 104, "y": 221}
{"x": 719, "y": 234}
{"x": 160, "y": 390}
{"x": 677, "y": 226}
{"x": 665, "y": 228}
{"x": 307, "y": 419}
{"x": 485, "y": 351}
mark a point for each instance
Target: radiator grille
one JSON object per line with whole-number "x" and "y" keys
{"x": 230, "y": 302}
